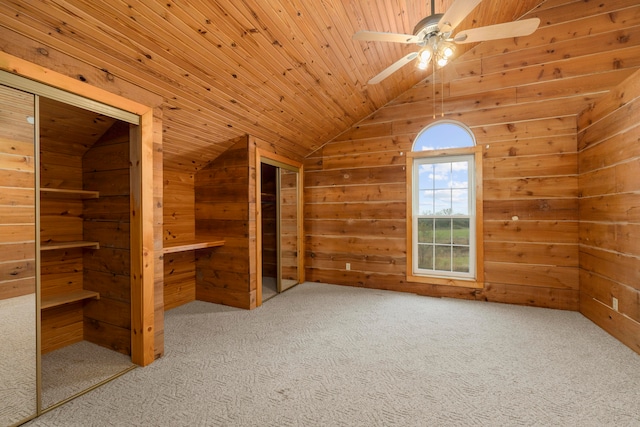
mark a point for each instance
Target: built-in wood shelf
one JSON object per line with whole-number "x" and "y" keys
{"x": 69, "y": 194}
{"x": 57, "y": 300}
{"x": 52, "y": 246}
{"x": 200, "y": 243}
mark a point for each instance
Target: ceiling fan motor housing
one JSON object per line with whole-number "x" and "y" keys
{"x": 427, "y": 27}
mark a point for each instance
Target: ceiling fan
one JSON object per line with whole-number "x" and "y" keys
{"x": 434, "y": 36}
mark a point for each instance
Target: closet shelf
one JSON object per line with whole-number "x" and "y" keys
{"x": 189, "y": 245}
{"x": 57, "y": 300}
{"x": 69, "y": 194}
{"x": 51, "y": 246}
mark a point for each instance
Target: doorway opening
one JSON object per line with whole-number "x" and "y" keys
{"x": 279, "y": 226}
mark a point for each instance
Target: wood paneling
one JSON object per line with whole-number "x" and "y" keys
{"x": 221, "y": 213}
{"x": 179, "y": 226}
{"x": 61, "y": 326}
{"x": 71, "y": 149}
{"x": 291, "y": 75}
{"x": 307, "y": 77}
{"x": 523, "y": 113}
{"x": 17, "y": 196}
{"x": 179, "y": 279}
{"x": 269, "y": 237}
{"x": 106, "y": 169}
{"x": 609, "y": 212}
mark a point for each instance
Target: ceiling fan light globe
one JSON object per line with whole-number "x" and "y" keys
{"x": 447, "y": 51}
{"x": 422, "y": 65}
{"x": 442, "y": 62}
{"x": 425, "y": 55}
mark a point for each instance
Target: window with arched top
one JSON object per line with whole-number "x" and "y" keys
{"x": 442, "y": 135}
{"x": 444, "y": 230}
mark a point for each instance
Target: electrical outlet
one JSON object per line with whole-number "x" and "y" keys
{"x": 614, "y": 303}
{"x": 348, "y": 266}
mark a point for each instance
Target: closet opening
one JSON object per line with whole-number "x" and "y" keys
{"x": 85, "y": 251}
{"x": 73, "y": 272}
{"x": 279, "y": 226}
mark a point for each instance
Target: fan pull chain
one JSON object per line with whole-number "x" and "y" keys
{"x": 442, "y": 92}
{"x": 433, "y": 89}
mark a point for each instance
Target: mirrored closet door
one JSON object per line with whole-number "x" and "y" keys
{"x": 65, "y": 246}
{"x": 288, "y": 228}
{"x": 18, "y": 313}
{"x": 280, "y": 225}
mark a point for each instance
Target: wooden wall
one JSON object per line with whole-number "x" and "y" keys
{"x": 223, "y": 202}
{"x": 158, "y": 232}
{"x": 179, "y": 226}
{"x": 609, "y": 165}
{"x": 17, "y": 195}
{"x": 511, "y": 96}
{"x": 355, "y": 204}
{"x": 66, "y": 133}
{"x": 105, "y": 165}
{"x": 225, "y": 206}
{"x": 289, "y": 225}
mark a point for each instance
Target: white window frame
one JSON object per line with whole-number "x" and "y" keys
{"x": 476, "y": 279}
{"x": 417, "y": 162}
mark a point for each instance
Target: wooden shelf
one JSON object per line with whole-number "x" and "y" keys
{"x": 57, "y": 300}
{"x": 51, "y": 246}
{"x": 200, "y": 243}
{"x": 62, "y": 193}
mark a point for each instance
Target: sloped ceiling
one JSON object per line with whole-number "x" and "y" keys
{"x": 285, "y": 71}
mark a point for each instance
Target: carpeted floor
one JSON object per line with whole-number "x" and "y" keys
{"x": 269, "y": 288}
{"x": 17, "y": 358}
{"x": 323, "y": 355}
{"x": 77, "y": 367}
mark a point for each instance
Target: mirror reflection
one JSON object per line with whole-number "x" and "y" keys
{"x": 288, "y": 230}
{"x": 18, "y": 354}
{"x": 280, "y": 221}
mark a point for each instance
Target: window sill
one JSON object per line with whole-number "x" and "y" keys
{"x": 444, "y": 281}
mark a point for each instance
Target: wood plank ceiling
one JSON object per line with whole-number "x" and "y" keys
{"x": 285, "y": 71}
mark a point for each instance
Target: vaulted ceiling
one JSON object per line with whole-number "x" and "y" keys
{"x": 285, "y": 71}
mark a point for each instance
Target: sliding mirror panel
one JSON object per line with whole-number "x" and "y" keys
{"x": 18, "y": 319}
{"x": 288, "y": 224}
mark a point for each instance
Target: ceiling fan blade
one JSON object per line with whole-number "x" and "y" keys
{"x": 375, "y": 36}
{"x": 393, "y": 68}
{"x": 499, "y": 31}
{"x": 456, "y": 13}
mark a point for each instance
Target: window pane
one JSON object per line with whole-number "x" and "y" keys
{"x": 425, "y": 177}
{"x": 460, "y": 202}
{"x": 425, "y": 257}
{"x": 443, "y": 231}
{"x": 442, "y": 202}
{"x": 425, "y": 230}
{"x": 425, "y": 202}
{"x": 443, "y": 258}
{"x": 459, "y": 175}
{"x": 442, "y": 178}
{"x": 460, "y": 231}
{"x": 461, "y": 259}
{"x": 443, "y": 135}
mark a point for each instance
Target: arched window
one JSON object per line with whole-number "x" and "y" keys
{"x": 443, "y": 205}
{"x": 443, "y": 135}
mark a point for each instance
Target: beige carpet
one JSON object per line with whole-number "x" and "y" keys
{"x": 323, "y": 355}
{"x": 17, "y": 358}
{"x": 269, "y": 288}
{"x": 77, "y": 367}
